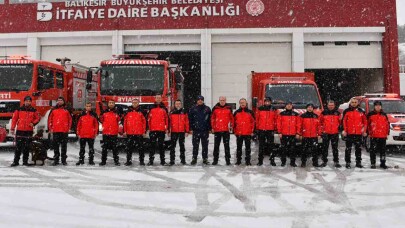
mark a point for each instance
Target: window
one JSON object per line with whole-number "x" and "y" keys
{"x": 318, "y": 43}
{"x": 341, "y": 43}
{"x": 59, "y": 80}
{"x": 363, "y": 105}
{"x": 363, "y": 43}
{"x": 45, "y": 79}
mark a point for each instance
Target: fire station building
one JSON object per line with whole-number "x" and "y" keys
{"x": 351, "y": 46}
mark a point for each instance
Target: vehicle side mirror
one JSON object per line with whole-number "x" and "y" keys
{"x": 254, "y": 102}
{"x": 89, "y": 78}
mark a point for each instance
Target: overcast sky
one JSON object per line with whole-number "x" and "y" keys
{"x": 401, "y": 12}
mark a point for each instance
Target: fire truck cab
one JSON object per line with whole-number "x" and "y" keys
{"x": 44, "y": 81}
{"x": 299, "y": 88}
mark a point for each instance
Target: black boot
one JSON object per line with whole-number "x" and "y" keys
{"x": 150, "y": 163}
{"x": 102, "y": 163}
{"x": 303, "y": 164}
{"x": 358, "y": 165}
{"x": 228, "y": 161}
{"x": 128, "y": 163}
{"x": 142, "y": 163}
{"x": 14, "y": 164}
{"x": 324, "y": 164}
{"x": 273, "y": 163}
{"x": 80, "y": 162}
{"x": 373, "y": 166}
{"x": 172, "y": 163}
{"x": 117, "y": 163}
{"x": 337, "y": 165}
{"x": 206, "y": 162}
{"x": 348, "y": 166}
{"x": 383, "y": 165}
{"x": 238, "y": 162}
{"x": 215, "y": 162}
{"x": 91, "y": 161}
{"x": 260, "y": 163}
{"x": 183, "y": 162}
{"x": 248, "y": 163}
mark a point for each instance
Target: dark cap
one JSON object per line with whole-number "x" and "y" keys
{"x": 27, "y": 98}
{"x": 200, "y": 98}
{"x": 288, "y": 102}
{"x": 377, "y": 103}
{"x": 267, "y": 99}
{"x": 309, "y": 105}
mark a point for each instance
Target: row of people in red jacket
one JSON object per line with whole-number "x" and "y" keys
{"x": 289, "y": 124}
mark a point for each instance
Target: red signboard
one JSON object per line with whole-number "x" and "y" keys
{"x": 95, "y": 15}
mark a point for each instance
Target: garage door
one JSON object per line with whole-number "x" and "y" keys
{"x": 343, "y": 55}
{"x": 232, "y": 62}
{"x": 87, "y": 55}
{"x": 7, "y": 51}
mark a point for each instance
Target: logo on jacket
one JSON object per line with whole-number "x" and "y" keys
{"x": 42, "y": 11}
{"x": 255, "y": 7}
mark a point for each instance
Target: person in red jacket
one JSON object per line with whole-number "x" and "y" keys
{"x": 287, "y": 127}
{"x": 59, "y": 124}
{"x": 244, "y": 123}
{"x": 330, "y": 122}
{"x": 179, "y": 129}
{"x": 158, "y": 121}
{"x": 87, "y": 129}
{"x": 266, "y": 124}
{"x": 308, "y": 128}
{"x": 24, "y": 118}
{"x": 354, "y": 128}
{"x": 378, "y": 131}
{"x": 134, "y": 129}
{"x": 110, "y": 119}
{"x": 222, "y": 124}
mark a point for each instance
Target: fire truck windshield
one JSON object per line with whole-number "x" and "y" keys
{"x": 132, "y": 80}
{"x": 390, "y": 106}
{"x": 299, "y": 94}
{"x": 15, "y": 77}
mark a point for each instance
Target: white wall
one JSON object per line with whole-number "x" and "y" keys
{"x": 87, "y": 55}
{"x": 232, "y": 62}
{"x": 7, "y": 51}
{"x": 331, "y": 56}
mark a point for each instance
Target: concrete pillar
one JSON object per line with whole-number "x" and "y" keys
{"x": 117, "y": 43}
{"x": 298, "y": 53}
{"x": 33, "y": 48}
{"x": 206, "y": 87}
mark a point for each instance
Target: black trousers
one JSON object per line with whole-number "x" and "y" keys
{"x": 377, "y": 145}
{"x": 180, "y": 136}
{"x": 82, "y": 151}
{"x": 266, "y": 143}
{"x": 350, "y": 140}
{"x": 309, "y": 146}
{"x": 334, "y": 140}
{"x": 288, "y": 143}
{"x": 109, "y": 143}
{"x": 239, "y": 143}
{"x": 60, "y": 139}
{"x": 225, "y": 136}
{"x": 135, "y": 143}
{"x": 157, "y": 140}
{"x": 23, "y": 143}
{"x": 203, "y": 137}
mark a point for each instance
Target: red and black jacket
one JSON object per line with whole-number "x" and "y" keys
{"x": 308, "y": 126}
{"x": 288, "y": 122}
{"x": 330, "y": 121}
{"x": 134, "y": 121}
{"x": 378, "y": 124}
{"x": 244, "y": 121}
{"x": 179, "y": 121}
{"x": 354, "y": 121}
{"x": 59, "y": 120}
{"x": 221, "y": 118}
{"x": 158, "y": 119}
{"x": 110, "y": 119}
{"x": 87, "y": 125}
{"x": 24, "y": 117}
{"x": 266, "y": 118}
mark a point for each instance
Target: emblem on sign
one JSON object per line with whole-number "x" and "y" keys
{"x": 255, "y": 7}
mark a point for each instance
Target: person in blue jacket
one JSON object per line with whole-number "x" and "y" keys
{"x": 200, "y": 124}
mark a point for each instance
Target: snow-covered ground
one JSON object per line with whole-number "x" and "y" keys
{"x": 201, "y": 196}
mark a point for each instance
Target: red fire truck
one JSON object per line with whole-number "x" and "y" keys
{"x": 44, "y": 82}
{"x": 299, "y": 88}
{"x": 123, "y": 79}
